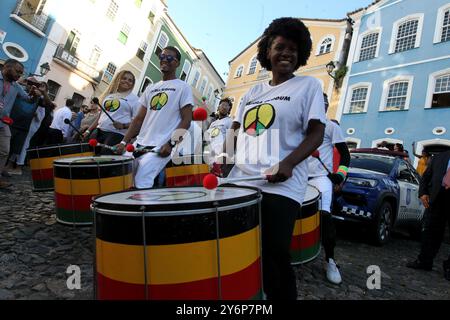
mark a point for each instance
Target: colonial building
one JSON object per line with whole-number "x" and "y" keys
{"x": 329, "y": 45}
{"x": 398, "y": 85}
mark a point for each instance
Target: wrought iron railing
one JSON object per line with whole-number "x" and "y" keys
{"x": 25, "y": 10}
{"x": 74, "y": 62}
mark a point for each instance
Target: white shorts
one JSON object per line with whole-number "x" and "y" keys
{"x": 146, "y": 168}
{"x": 325, "y": 186}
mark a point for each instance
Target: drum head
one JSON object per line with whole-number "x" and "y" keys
{"x": 312, "y": 194}
{"x": 91, "y": 161}
{"x": 175, "y": 199}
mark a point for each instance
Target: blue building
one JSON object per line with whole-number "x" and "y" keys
{"x": 398, "y": 84}
{"x": 23, "y": 32}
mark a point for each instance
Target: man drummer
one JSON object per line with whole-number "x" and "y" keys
{"x": 218, "y": 129}
{"x": 323, "y": 180}
{"x": 163, "y": 118}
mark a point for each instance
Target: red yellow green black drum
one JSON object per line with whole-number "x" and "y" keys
{"x": 186, "y": 171}
{"x": 41, "y": 162}
{"x": 172, "y": 244}
{"x": 78, "y": 180}
{"x": 305, "y": 245}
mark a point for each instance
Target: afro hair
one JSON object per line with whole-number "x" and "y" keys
{"x": 289, "y": 28}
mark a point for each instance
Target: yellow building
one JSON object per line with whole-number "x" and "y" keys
{"x": 329, "y": 44}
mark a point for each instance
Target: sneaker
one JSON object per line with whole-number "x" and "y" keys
{"x": 333, "y": 274}
{"x": 420, "y": 265}
{"x": 15, "y": 171}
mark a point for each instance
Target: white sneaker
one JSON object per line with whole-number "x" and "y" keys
{"x": 333, "y": 274}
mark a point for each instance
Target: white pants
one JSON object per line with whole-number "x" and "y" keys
{"x": 147, "y": 168}
{"x": 325, "y": 186}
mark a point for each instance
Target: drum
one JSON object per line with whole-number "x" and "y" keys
{"x": 78, "y": 180}
{"x": 178, "y": 244}
{"x": 186, "y": 171}
{"x": 305, "y": 245}
{"x": 41, "y": 162}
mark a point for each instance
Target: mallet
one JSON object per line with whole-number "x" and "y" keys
{"x": 94, "y": 143}
{"x": 316, "y": 154}
{"x": 211, "y": 182}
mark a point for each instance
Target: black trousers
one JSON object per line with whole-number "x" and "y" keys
{"x": 108, "y": 138}
{"x": 436, "y": 217}
{"x": 278, "y": 214}
{"x": 328, "y": 234}
{"x": 54, "y": 136}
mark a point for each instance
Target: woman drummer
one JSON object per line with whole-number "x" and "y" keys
{"x": 280, "y": 123}
{"x": 119, "y": 106}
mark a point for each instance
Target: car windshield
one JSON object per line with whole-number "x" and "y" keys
{"x": 372, "y": 162}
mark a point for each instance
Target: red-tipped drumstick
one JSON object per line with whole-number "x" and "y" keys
{"x": 211, "y": 182}
{"x": 199, "y": 114}
{"x": 94, "y": 143}
{"x": 131, "y": 148}
{"x": 316, "y": 154}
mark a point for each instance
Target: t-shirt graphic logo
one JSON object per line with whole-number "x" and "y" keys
{"x": 259, "y": 119}
{"x": 215, "y": 132}
{"x": 112, "y": 105}
{"x": 159, "y": 101}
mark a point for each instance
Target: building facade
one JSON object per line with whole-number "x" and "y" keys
{"x": 328, "y": 38}
{"x": 24, "y": 29}
{"x": 398, "y": 85}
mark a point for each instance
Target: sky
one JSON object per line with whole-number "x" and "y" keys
{"x": 223, "y": 28}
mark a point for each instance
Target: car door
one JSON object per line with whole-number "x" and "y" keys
{"x": 408, "y": 193}
{"x": 416, "y": 209}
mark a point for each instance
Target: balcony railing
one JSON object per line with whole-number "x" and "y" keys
{"x": 25, "y": 11}
{"x": 71, "y": 61}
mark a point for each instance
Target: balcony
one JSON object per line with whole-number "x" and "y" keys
{"x": 73, "y": 63}
{"x": 27, "y": 15}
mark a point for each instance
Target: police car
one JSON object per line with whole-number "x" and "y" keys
{"x": 381, "y": 191}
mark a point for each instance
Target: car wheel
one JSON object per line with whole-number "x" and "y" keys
{"x": 383, "y": 224}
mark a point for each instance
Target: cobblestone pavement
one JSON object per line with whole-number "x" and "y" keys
{"x": 35, "y": 252}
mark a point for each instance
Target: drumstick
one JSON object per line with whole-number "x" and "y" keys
{"x": 316, "y": 154}
{"x": 94, "y": 143}
{"x": 106, "y": 112}
{"x": 211, "y": 181}
{"x": 131, "y": 148}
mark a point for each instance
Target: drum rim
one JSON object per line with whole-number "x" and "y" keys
{"x": 53, "y": 146}
{"x": 310, "y": 201}
{"x": 172, "y": 207}
{"x": 63, "y": 162}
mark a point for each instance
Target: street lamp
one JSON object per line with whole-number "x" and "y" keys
{"x": 330, "y": 68}
{"x": 44, "y": 69}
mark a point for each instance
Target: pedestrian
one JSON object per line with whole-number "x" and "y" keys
{"x": 424, "y": 160}
{"x": 323, "y": 177}
{"x": 434, "y": 192}
{"x": 163, "y": 118}
{"x": 10, "y": 90}
{"x": 280, "y": 123}
{"x": 217, "y": 131}
{"x": 120, "y": 106}
{"x": 60, "y": 131}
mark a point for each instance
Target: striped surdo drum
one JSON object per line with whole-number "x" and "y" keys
{"x": 186, "y": 171}
{"x": 78, "y": 180}
{"x": 305, "y": 245}
{"x": 41, "y": 162}
{"x": 178, "y": 244}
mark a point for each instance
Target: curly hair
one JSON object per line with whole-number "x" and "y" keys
{"x": 290, "y": 28}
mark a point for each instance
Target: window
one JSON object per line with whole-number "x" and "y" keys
{"x": 196, "y": 78}
{"x": 163, "y": 41}
{"x": 325, "y": 46}
{"x": 123, "y": 35}
{"x": 95, "y": 56}
{"x": 109, "y": 72}
{"x": 358, "y": 100}
{"x": 239, "y": 72}
{"x": 369, "y": 46}
{"x": 253, "y": 64}
{"x": 15, "y": 51}
{"x": 442, "y": 29}
{"x": 351, "y": 145}
{"x": 72, "y": 42}
{"x": 406, "y": 33}
{"x": 441, "y": 96}
{"x": 203, "y": 85}
{"x": 208, "y": 95}
{"x": 185, "y": 70}
{"x": 78, "y": 100}
{"x": 145, "y": 84}
{"x": 112, "y": 10}
{"x": 445, "y": 35}
{"x": 53, "y": 89}
{"x": 397, "y": 96}
{"x": 142, "y": 50}
{"x": 138, "y": 3}
{"x": 151, "y": 17}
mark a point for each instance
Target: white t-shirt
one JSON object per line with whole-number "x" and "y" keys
{"x": 333, "y": 135}
{"x": 122, "y": 110}
{"x": 192, "y": 141}
{"x": 62, "y": 114}
{"x": 216, "y": 134}
{"x": 164, "y": 101}
{"x": 274, "y": 121}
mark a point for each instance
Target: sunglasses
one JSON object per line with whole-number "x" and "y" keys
{"x": 166, "y": 57}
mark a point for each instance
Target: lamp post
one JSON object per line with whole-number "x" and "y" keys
{"x": 44, "y": 69}
{"x": 330, "y": 68}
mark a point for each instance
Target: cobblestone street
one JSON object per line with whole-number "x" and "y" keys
{"x": 35, "y": 252}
